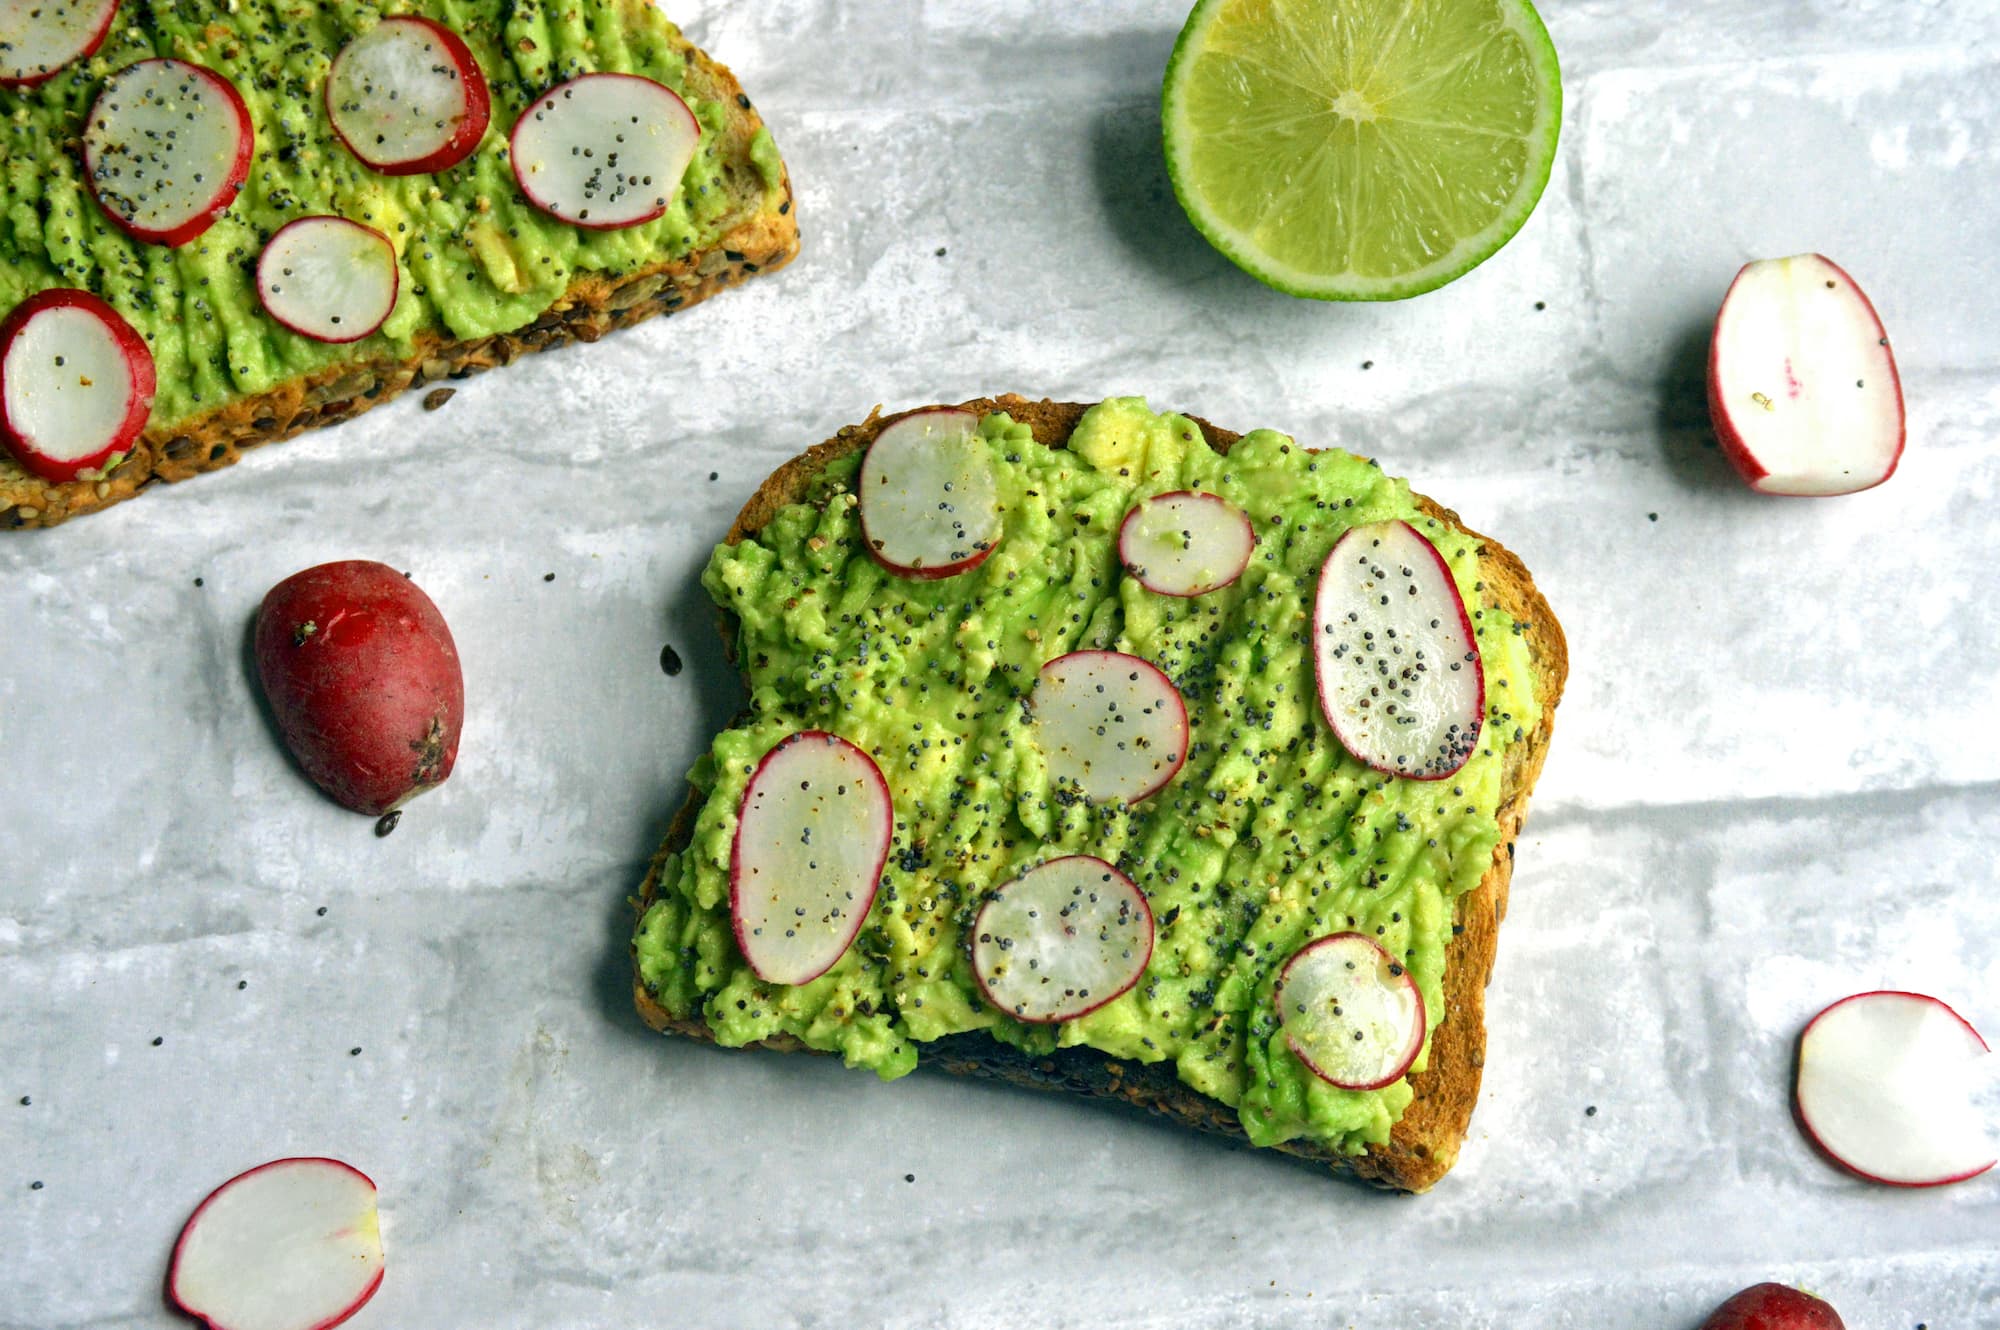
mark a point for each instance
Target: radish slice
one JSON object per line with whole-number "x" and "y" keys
{"x": 604, "y": 150}
{"x": 1887, "y": 1086}
{"x": 39, "y": 37}
{"x": 76, "y": 383}
{"x": 328, "y": 278}
{"x": 1110, "y": 725}
{"x": 407, "y": 96}
{"x": 1061, "y": 940}
{"x": 1399, "y": 673}
{"x": 294, "y": 1244}
{"x": 1186, "y": 543}
{"x": 1802, "y": 386}
{"x": 929, "y": 505}
{"x": 812, "y": 835}
{"x": 1350, "y": 1012}
{"x": 166, "y": 148}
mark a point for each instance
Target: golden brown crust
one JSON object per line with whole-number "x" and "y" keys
{"x": 1425, "y": 1141}
{"x": 593, "y": 305}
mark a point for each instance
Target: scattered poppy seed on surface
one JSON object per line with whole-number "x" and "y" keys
{"x": 911, "y": 1177}
{"x": 355, "y": 1051}
{"x": 940, "y": 252}
{"x": 159, "y": 1039}
{"x": 1368, "y": 364}
{"x": 1541, "y": 304}
{"x": 1652, "y": 517}
{"x": 34, "y": 1186}
{"x": 548, "y": 577}
{"x": 25, "y": 1101}
{"x": 713, "y": 474}
{"x": 321, "y": 911}
{"x": 242, "y": 984}
{"x": 197, "y": 581}
{"x": 1591, "y": 1111}
{"x": 387, "y": 822}
{"x": 670, "y": 659}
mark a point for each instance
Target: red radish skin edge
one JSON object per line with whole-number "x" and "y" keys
{"x": 1478, "y": 670}
{"x": 174, "y": 1264}
{"x": 1145, "y": 911}
{"x": 1770, "y": 1306}
{"x": 478, "y": 107}
{"x": 239, "y": 171}
{"x": 1133, "y": 516}
{"x": 1180, "y": 710}
{"x": 515, "y": 160}
{"x": 936, "y": 572}
{"x": 1805, "y": 1120}
{"x": 88, "y": 50}
{"x": 1416, "y": 991}
{"x": 862, "y": 909}
{"x": 1732, "y": 443}
{"x": 395, "y": 282}
{"x": 138, "y": 357}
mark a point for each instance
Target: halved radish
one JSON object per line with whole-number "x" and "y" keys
{"x": 1111, "y": 725}
{"x": 1887, "y": 1086}
{"x": 76, "y": 383}
{"x": 294, "y": 1244}
{"x": 1802, "y": 386}
{"x": 604, "y": 150}
{"x": 407, "y": 96}
{"x": 328, "y": 278}
{"x": 166, "y": 147}
{"x": 1399, "y": 673}
{"x": 1350, "y": 1012}
{"x": 929, "y": 505}
{"x": 1061, "y": 940}
{"x": 812, "y": 835}
{"x": 39, "y": 37}
{"x": 1186, "y": 543}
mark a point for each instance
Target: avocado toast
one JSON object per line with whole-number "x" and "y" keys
{"x": 1257, "y": 844}
{"x": 485, "y": 274}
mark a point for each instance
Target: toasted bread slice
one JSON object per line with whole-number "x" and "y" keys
{"x": 758, "y": 232}
{"x": 1425, "y": 1141}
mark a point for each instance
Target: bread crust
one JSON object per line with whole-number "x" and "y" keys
{"x": 1425, "y": 1141}
{"x": 592, "y": 305}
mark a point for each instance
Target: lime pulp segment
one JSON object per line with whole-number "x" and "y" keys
{"x": 1361, "y": 149}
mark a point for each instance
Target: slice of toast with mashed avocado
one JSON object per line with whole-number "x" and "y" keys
{"x": 485, "y": 275}
{"x": 1268, "y": 836}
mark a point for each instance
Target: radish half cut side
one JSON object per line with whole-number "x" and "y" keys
{"x": 1109, "y": 724}
{"x": 1061, "y": 940}
{"x": 1186, "y": 543}
{"x": 407, "y": 96}
{"x": 76, "y": 383}
{"x": 1350, "y": 1012}
{"x": 166, "y": 147}
{"x": 604, "y": 150}
{"x": 39, "y": 37}
{"x": 812, "y": 836}
{"x": 1398, "y": 668}
{"x": 928, "y": 502}
{"x": 1887, "y": 1087}
{"x": 295, "y": 1244}
{"x": 328, "y": 278}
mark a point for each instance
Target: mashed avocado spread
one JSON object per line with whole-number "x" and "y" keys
{"x": 476, "y": 257}
{"x": 1270, "y": 836}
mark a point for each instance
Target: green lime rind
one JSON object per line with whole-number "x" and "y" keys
{"x": 1413, "y": 159}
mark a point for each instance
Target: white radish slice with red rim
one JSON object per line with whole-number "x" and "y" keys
{"x": 1186, "y": 543}
{"x": 1350, "y": 1012}
{"x": 1802, "y": 386}
{"x": 39, "y": 37}
{"x": 1400, "y": 678}
{"x": 328, "y": 278}
{"x": 604, "y": 150}
{"x": 1890, "y": 1085}
{"x": 1109, "y": 724}
{"x": 295, "y": 1244}
{"x": 929, "y": 504}
{"x": 407, "y": 96}
{"x": 76, "y": 383}
{"x": 812, "y": 835}
{"x": 1061, "y": 940}
{"x": 166, "y": 147}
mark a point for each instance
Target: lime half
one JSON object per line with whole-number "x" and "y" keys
{"x": 1361, "y": 149}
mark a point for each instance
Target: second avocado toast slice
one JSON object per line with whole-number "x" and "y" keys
{"x": 1270, "y": 835}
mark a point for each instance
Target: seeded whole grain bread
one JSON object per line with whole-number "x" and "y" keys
{"x": 762, "y": 235}
{"x": 1425, "y": 1142}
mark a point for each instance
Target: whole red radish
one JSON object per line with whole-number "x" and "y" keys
{"x": 1773, "y": 1307}
{"x": 364, "y": 680}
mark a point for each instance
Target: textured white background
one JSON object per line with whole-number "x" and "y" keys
{"x": 1773, "y": 782}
